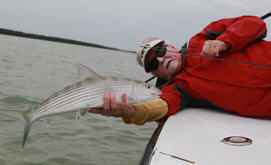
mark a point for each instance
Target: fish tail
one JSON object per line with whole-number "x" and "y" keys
{"x": 21, "y": 115}
{"x": 27, "y": 127}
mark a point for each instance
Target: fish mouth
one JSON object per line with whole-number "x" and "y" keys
{"x": 158, "y": 93}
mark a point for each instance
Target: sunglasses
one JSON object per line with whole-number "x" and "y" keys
{"x": 154, "y": 63}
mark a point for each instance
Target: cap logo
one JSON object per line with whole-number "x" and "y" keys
{"x": 144, "y": 49}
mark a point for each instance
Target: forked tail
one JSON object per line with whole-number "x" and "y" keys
{"x": 22, "y": 115}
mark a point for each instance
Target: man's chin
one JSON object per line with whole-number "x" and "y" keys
{"x": 171, "y": 70}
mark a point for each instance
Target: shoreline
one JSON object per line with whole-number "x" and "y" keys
{"x": 57, "y": 39}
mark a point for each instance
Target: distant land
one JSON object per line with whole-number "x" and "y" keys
{"x": 56, "y": 39}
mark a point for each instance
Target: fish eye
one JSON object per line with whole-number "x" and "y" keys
{"x": 148, "y": 86}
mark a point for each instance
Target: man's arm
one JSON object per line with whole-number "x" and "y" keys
{"x": 232, "y": 34}
{"x": 238, "y": 32}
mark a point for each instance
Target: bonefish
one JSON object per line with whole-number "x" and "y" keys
{"x": 82, "y": 95}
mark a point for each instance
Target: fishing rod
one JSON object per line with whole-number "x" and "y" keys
{"x": 216, "y": 58}
{"x": 211, "y": 58}
{"x": 266, "y": 15}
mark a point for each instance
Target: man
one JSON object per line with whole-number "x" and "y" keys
{"x": 225, "y": 66}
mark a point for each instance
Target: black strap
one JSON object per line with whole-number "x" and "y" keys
{"x": 212, "y": 35}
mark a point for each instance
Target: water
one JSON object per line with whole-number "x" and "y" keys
{"x": 30, "y": 71}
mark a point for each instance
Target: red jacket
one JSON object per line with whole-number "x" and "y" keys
{"x": 240, "y": 88}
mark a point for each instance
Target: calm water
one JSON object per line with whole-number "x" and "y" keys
{"x": 30, "y": 71}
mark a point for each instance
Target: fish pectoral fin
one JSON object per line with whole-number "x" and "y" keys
{"x": 132, "y": 100}
{"x": 48, "y": 122}
{"x": 85, "y": 72}
{"x": 81, "y": 112}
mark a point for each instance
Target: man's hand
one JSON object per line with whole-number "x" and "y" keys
{"x": 112, "y": 108}
{"x": 214, "y": 47}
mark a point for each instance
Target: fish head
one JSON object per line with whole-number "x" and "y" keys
{"x": 145, "y": 92}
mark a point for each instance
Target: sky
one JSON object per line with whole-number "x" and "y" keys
{"x": 123, "y": 23}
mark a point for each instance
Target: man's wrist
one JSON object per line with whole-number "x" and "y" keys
{"x": 130, "y": 111}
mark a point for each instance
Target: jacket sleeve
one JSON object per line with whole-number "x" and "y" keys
{"x": 239, "y": 32}
{"x": 147, "y": 112}
{"x": 173, "y": 98}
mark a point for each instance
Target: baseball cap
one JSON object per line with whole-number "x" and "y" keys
{"x": 143, "y": 49}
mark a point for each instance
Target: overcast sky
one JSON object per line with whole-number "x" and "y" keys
{"x": 123, "y": 23}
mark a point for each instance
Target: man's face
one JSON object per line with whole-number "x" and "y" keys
{"x": 169, "y": 64}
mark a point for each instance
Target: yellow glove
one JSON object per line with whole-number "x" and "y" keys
{"x": 148, "y": 111}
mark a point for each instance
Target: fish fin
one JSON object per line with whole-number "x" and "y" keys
{"x": 85, "y": 72}
{"x": 16, "y": 114}
{"x": 27, "y": 127}
{"x": 133, "y": 100}
{"x": 81, "y": 113}
{"x": 19, "y": 114}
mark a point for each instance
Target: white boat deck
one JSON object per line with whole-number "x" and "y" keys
{"x": 193, "y": 136}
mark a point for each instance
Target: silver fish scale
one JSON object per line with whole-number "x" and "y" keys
{"x": 87, "y": 93}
